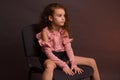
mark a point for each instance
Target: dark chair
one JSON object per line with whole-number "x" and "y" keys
{"x": 32, "y": 51}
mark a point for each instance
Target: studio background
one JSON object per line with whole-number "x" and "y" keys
{"x": 95, "y": 27}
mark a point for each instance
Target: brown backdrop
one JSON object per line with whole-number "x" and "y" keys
{"x": 95, "y": 26}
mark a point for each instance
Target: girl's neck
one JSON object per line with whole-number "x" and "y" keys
{"x": 55, "y": 28}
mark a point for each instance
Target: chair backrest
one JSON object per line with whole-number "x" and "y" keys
{"x": 30, "y": 43}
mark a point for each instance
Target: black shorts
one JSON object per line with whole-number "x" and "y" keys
{"x": 61, "y": 55}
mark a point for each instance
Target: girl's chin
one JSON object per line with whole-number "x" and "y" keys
{"x": 61, "y": 24}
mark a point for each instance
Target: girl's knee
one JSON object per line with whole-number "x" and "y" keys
{"x": 92, "y": 61}
{"x": 50, "y": 66}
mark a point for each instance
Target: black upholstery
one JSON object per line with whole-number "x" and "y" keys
{"x": 32, "y": 53}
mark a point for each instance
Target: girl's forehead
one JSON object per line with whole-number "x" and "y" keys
{"x": 59, "y": 10}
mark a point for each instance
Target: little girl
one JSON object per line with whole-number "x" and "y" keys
{"x": 56, "y": 44}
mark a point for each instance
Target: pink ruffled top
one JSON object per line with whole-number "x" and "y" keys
{"x": 56, "y": 42}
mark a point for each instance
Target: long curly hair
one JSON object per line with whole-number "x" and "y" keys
{"x": 49, "y": 11}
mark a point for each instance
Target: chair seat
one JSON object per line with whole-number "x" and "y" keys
{"x": 60, "y": 75}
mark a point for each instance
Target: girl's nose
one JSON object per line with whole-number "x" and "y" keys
{"x": 63, "y": 18}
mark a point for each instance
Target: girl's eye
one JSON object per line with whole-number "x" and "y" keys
{"x": 59, "y": 15}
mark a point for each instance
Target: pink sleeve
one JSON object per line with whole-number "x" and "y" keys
{"x": 47, "y": 48}
{"x": 67, "y": 43}
{"x": 41, "y": 42}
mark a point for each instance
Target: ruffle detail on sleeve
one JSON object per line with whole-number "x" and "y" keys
{"x": 67, "y": 40}
{"x": 38, "y": 35}
{"x": 41, "y": 42}
{"x": 44, "y": 43}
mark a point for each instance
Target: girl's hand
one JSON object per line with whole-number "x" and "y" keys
{"x": 76, "y": 69}
{"x": 68, "y": 71}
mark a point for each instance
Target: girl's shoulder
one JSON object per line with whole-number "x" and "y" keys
{"x": 47, "y": 32}
{"x": 40, "y": 34}
{"x": 45, "y": 29}
{"x": 65, "y": 33}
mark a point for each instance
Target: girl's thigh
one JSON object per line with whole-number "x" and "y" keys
{"x": 84, "y": 60}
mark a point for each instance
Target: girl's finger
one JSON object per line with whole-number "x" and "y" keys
{"x": 80, "y": 71}
{"x": 69, "y": 71}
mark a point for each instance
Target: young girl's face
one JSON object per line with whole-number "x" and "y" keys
{"x": 58, "y": 18}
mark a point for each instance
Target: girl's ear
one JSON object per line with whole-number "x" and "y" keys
{"x": 50, "y": 18}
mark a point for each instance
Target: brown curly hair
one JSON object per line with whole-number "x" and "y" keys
{"x": 49, "y": 11}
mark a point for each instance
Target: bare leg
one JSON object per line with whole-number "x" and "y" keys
{"x": 90, "y": 62}
{"x": 49, "y": 68}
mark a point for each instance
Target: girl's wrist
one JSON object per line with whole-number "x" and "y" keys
{"x": 72, "y": 63}
{"x": 66, "y": 66}
{"x": 73, "y": 66}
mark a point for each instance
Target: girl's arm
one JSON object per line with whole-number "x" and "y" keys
{"x": 67, "y": 43}
{"x": 47, "y": 48}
